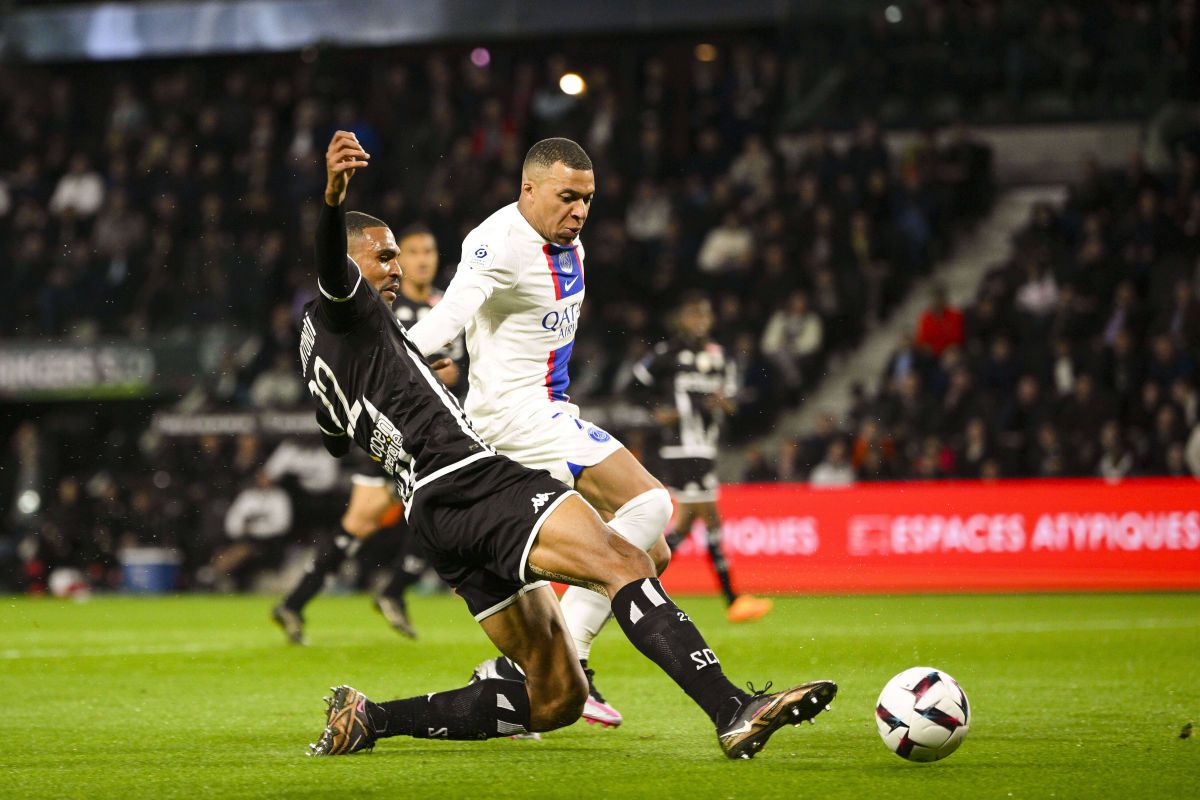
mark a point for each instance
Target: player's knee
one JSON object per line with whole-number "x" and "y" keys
{"x": 660, "y": 555}
{"x": 628, "y": 563}
{"x": 569, "y": 706}
{"x": 643, "y": 519}
{"x": 560, "y": 704}
{"x": 658, "y": 510}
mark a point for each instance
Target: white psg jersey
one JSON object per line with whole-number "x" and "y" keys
{"x": 520, "y": 338}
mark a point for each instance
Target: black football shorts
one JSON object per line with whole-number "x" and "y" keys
{"x": 478, "y": 525}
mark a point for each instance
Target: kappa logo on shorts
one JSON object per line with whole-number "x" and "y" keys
{"x": 540, "y": 499}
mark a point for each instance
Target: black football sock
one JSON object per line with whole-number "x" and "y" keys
{"x": 483, "y": 710}
{"x": 720, "y": 565}
{"x": 407, "y": 569}
{"x": 665, "y": 635}
{"x": 331, "y": 552}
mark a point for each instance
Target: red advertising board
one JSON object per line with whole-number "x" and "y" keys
{"x": 1038, "y": 535}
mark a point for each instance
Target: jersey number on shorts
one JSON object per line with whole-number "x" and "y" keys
{"x": 321, "y": 373}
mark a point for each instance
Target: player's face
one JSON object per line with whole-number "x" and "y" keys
{"x": 558, "y": 200}
{"x": 696, "y": 320}
{"x": 418, "y": 258}
{"x": 375, "y": 253}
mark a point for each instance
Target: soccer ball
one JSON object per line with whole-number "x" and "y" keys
{"x": 923, "y": 714}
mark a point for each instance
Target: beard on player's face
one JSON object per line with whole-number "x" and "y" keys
{"x": 374, "y": 250}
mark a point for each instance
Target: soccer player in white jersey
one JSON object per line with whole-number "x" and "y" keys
{"x": 519, "y": 293}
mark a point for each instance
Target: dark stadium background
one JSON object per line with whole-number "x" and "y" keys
{"x": 156, "y": 217}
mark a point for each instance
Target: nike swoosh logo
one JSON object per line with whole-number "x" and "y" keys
{"x": 746, "y": 726}
{"x": 570, "y": 283}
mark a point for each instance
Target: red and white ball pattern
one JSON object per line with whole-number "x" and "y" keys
{"x": 923, "y": 714}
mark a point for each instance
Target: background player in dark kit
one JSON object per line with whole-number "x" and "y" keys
{"x": 694, "y": 386}
{"x": 490, "y": 526}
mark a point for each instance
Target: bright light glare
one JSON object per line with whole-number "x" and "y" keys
{"x": 480, "y": 57}
{"x": 29, "y": 502}
{"x": 572, "y": 84}
{"x": 893, "y": 14}
{"x": 705, "y": 52}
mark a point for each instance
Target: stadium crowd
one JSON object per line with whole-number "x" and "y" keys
{"x": 1077, "y": 357}
{"x": 175, "y": 201}
{"x": 190, "y": 213}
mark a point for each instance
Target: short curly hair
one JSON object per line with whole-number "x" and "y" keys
{"x": 357, "y": 222}
{"x": 549, "y": 152}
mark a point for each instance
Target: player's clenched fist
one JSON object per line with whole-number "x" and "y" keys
{"x": 344, "y": 156}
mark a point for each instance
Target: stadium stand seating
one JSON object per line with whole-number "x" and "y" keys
{"x": 1077, "y": 357}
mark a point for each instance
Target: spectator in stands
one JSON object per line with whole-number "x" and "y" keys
{"x": 1186, "y": 399}
{"x": 799, "y": 456}
{"x": 727, "y": 248}
{"x": 1038, "y": 296}
{"x": 751, "y": 171}
{"x": 1168, "y": 363}
{"x": 1127, "y": 313}
{"x": 787, "y": 461}
{"x": 941, "y": 325}
{"x": 934, "y": 460}
{"x": 999, "y": 371}
{"x": 835, "y": 469}
{"x": 975, "y": 450}
{"x": 867, "y": 252}
{"x": 793, "y": 342}
{"x": 1121, "y": 370}
{"x": 1182, "y": 319}
{"x": 1176, "y": 461}
{"x": 756, "y": 469}
{"x": 872, "y": 454}
{"x": 649, "y": 215}
{"x": 1023, "y": 414}
{"x": 80, "y": 192}
{"x": 1192, "y": 452}
{"x": 278, "y": 387}
{"x": 1048, "y": 458}
{"x": 1081, "y": 416}
{"x": 256, "y": 525}
{"x": 1116, "y": 459}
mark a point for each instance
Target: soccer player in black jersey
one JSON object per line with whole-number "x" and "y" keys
{"x": 412, "y": 256}
{"x": 494, "y": 530}
{"x": 694, "y": 386}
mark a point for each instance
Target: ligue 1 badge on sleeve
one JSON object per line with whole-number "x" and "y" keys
{"x": 481, "y": 256}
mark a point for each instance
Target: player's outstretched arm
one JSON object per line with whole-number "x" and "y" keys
{"x": 481, "y": 271}
{"x": 443, "y": 324}
{"x": 336, "y": 273}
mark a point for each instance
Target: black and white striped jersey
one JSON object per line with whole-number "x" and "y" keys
{"x": 689, "y": 376}
{"x": 371, "y": 386}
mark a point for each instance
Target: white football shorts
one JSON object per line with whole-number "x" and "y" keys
{"x": 555, "y": 439}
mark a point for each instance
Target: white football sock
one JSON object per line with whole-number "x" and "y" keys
{"x": 641, "y": 521}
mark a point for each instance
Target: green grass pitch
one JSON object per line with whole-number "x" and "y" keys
{"x": 197, "y": 697}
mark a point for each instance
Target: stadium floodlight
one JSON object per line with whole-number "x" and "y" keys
{"x": 29, "y": 502}
{"x": 572, "y": 83}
